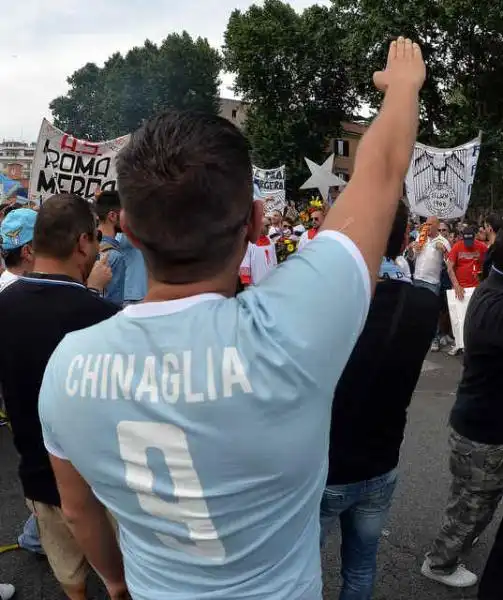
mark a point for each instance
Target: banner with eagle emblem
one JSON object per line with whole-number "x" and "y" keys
{"x": 440, "y": 180}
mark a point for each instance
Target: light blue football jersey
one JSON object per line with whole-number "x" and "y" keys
{"x": 202, "y": 424}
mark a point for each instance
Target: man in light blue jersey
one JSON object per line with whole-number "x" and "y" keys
{"x": 202, "y": 419}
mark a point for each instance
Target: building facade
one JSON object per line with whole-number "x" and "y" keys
{"x": 234, "y": 111}
{"x": 344, "y": 147}
{"x": 16, "y": 159}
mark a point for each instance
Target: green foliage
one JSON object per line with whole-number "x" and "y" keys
{"x": 462, "y": 44}
{"x": 290, "y": 68}
{"x": 106, "y": 102}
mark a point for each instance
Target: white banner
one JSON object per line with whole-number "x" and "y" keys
{"x": 271, "y": 183}
{"x": 457, "y": 313}
{"x": 439, "y": 182}
{"x": 63, "y": 163}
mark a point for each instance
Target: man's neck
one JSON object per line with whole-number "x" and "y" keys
{"x": 52, "y": 266}
{"x": 107, "y": 229}
{"x": 492, "y": 239}
{"x": 224, "y": 284}
{"x": 19, "y": 271}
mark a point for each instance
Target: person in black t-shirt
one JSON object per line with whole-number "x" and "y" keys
{"x": 369, "y": 414}
{"x": 476, "y": 439}
{"x": 36, "y": 312}
{"x": 491, "y": 225}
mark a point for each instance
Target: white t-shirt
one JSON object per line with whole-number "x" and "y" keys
{"x": 429, "y": 260}
{"x": 402, "y": 263}
{"x": 6, "y": 278}
{"x": 259, "y": 259}
{"x": 306, "y": 237}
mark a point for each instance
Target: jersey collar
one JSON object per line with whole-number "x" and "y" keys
{"x": 168, "y": 307}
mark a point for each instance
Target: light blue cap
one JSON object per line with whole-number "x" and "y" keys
{"x": 17, "y": 228}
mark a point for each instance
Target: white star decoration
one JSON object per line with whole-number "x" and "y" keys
{"x": 322, "y": 177}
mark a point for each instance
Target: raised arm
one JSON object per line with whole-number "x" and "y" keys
{"x": 366, "y": 209}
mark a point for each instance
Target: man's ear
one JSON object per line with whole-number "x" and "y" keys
{"x": 26, "y": 251}
{"x": 83, "y": 243}
{"x": 127, "y": 231}
{"x": 256, "y": 219}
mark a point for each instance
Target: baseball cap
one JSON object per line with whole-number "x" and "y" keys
{"x": 17, "y": 228}
{"x": 468, "y": 236}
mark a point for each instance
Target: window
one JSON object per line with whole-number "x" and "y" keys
{"x": 234, "y": 113}
{"x": 341, "y": 148}
{"x": 344, "y": 176}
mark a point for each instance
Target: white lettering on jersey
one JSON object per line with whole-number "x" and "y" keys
{"x": 169, "y": 362}
{"x": 188, "y": 506}
{"x": 212, "y": 389}
{"x": 148, "y": 384}
{"x": 121, "y": 376}
{"x": 190, "y": 396}
{"x": 111, "y": 376}
{"x": 104, "y": 375}
{"x": 233, "y": 372}
{"x": 77, "y": 363}
{"x": 90, "y": 374}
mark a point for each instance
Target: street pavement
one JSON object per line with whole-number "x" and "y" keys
{"x": 415, "y": 517}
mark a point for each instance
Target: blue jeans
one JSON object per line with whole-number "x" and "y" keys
{"x": 29, "y": 539}
{"x": 362, "y": 509}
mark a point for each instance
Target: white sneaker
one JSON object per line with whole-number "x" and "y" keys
{"x": 446, "y": 340}
{"x": 461, "y": 578}
{"x": 454, "y": 351}
{"x": 6, "y": 591}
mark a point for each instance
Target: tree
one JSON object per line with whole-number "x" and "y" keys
{"x": 106, "y": 102}
{"x": 462, "y": 44}
{"x": 290, "y": 69}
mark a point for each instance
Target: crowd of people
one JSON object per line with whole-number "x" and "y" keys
{"x": 185, "y": 440}
{"x": 438, "y": 255}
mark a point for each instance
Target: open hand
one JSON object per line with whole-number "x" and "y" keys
{"x": 405, "y": 67}
{"x": 460, "y": 292}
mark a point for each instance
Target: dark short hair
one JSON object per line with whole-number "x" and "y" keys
{"x": 13, "y": 258}
{"x": 494, "y": 221}
{"x": 397, "y": 235}
{"x": 11, "y": 207}
{"x": 497, "y": 251}
{"x": 185, "y": 181}
{"x": 61, "y": 220}
{"x": 106, "y": 202}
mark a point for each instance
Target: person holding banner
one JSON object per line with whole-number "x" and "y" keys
{"x": 464, "y": 265}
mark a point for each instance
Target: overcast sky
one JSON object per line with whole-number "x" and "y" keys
{"x": 43, "y": 42}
